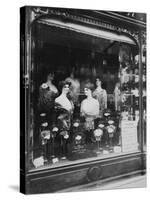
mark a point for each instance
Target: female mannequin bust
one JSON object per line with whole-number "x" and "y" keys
{"x": 63, "y": 100}
{"x": 64, "y": 107}
{"x": 47, "y": 94}
{"x": 117, "y": 94}
{"x": 75, "y": 87}
{"x": 89, "y": 107}
{"x": 101, "y": 95}
{"x": 52, "y": 87}
{"x": 64, "y": 110}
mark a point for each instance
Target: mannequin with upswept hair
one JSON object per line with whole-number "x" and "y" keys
{"x": 89, "y": 107}
{"x": 101, "y": 95}
{"x": 47, "y": 94}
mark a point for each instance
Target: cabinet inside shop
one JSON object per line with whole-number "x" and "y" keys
{"x": 83, "y": 100}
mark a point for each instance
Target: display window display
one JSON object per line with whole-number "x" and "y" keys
{"x": 84, "y": 97}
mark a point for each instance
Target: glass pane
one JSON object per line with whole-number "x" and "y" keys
{"x": 129, "y": 84}
{"x": 84, "y": 100}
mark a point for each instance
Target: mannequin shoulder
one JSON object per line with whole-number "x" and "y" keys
{"x": 83, "y": 101}
{"x": 53, "y": 88}
{"x": 58, "y": 102}
{"x": 95, "y": 92}
{"x": 58, "y": 99}
{"x": 104, "y": 91}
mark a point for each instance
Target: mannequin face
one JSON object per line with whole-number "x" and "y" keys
{"x": 87, "y": 92}
{"x": 72, "y": 75}
{"x": 50, "y": 77}
{"x": 118, "y": 85}
{"x": 98, "y": 82}
{"x": 66, "y": 88}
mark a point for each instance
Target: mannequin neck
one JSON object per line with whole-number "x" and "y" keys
{"x": 49, "y": 82}
{"x": 89, "y": 97}
{"x": 99, "y": 87}
{"x": 64, "y": 94}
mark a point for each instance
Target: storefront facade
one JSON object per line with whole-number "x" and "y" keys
{"x": 85, "y": 97}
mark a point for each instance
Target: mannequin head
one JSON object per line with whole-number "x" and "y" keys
{"x": 50, "y": 77}
{"x": 72, "y": 75}
{"x": 65, "y": 87}
{"x": 73, "y": 72}
{"x": 88, "y": 88}
{"x": 98, "y": 82}
{"x": 117, "y": 85}
{"x": 87, "y": 92}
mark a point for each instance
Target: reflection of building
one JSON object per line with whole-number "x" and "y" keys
{"x": 110, "y": 45}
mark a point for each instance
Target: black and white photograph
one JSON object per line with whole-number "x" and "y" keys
{"x": 74, "y": 106}
{"x": 83, "y": 95}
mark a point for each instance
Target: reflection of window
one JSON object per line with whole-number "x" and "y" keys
{"x": 70, "y": 123}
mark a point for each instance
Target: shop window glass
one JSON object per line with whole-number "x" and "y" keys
{"x": 85, "y": 103}
{"x": 129, "y": 85}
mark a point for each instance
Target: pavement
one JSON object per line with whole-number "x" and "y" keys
{"x": 138, "y": 181}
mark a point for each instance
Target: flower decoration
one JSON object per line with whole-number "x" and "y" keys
{"x": 64, "y": 134}
{"x": 44, "y": 86}
{"x": 45, "y": 124}
{"x": 42, "y": 114}
{"x": 78, "y": 137}
{"x": 55, "y": 129}
{"x": 101, "y": 125}
{"x": 45, "y": 134}
{"x": 110, "y": 122}
{"x": 76, "y": 124}
{"x": 110, "y": 130}
{"x": 106, "y": 114}
{"x": 98, "y": 132}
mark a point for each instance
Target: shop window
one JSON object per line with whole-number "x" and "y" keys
{"x": 85, "y": 101}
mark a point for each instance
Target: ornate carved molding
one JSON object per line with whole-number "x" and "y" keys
{"x": 38, "y": 12}
{"x": 132, "y": 15}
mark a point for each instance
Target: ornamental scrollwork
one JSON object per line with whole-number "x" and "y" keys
{"x": 38, "y": 12}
